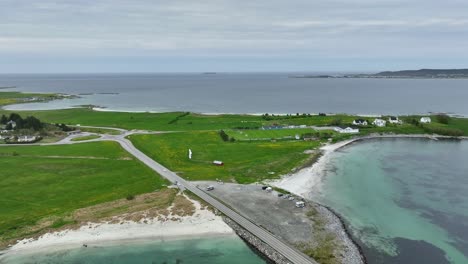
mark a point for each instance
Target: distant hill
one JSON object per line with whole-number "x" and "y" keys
{"x": 433, "y": 73}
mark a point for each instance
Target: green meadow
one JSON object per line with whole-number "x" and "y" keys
{"x": 244, "y": 162}
{"x": 85, "y": 138}
{"x": 39, "y": 183}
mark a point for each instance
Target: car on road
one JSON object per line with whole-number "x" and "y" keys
{"x": 210, "y": 188}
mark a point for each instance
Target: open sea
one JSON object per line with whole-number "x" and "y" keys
{"x": 245, "y": 93}
{"x": 404, "y": 200}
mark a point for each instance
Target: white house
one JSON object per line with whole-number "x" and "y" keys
{"x": 360, "y": 122}
{"x": 425, "y": 119}
{"x": 379, "y": 122}
{"x": 12, "y": 123}
{"x": 347, "y": 130}
{"x": 394, "y": 120}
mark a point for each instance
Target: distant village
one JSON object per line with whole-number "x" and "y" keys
{"x": 17, "y": 130}
{"x": 377, "y": 122}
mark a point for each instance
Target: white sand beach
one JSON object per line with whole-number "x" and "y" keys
{"x": 202, "y": 223}
{"x": 309, "y": 178}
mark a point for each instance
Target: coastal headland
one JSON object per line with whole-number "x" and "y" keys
{"x": 258, "y": 149}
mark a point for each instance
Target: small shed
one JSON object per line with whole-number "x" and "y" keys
{"x": 218, "y": 163}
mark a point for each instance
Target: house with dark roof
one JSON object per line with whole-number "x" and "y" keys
{"x": 360, "y": 122}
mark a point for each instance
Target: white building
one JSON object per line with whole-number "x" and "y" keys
{"x": 394, "y": 120}
{"x": 360, "y": 122}
{"x": 379, "y": 122}
{"x": 425, "y": 119}
{"x": 27, "y": 138}
{"x": 12, "y": 123}
{"x": 347, "y": 130}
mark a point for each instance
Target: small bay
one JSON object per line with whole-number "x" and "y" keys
{"x": 404, "y": 200}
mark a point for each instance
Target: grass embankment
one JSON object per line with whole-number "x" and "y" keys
{"x": 245, "y": 162}
{"x": 99, "y": 130}
{"x": 7, "y": 98}
{"x": 42, "y": 184}
{"x": 85, "y": 138}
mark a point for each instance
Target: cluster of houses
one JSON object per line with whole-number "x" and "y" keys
{"x": 9, "y": 137}
{"x": 392, "y": 120}
{"x": 378, "y": 122}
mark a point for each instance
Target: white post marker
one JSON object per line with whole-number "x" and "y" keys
{"x": 190, "y": 154}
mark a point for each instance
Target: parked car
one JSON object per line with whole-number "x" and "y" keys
{"x": 210, "y": 188}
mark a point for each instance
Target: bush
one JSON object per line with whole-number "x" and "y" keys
{"x": 444, "y": 131}
{"x": 336, "y": 122}
{"x": 130, "y": 197}
{"x": 443, "y": 118}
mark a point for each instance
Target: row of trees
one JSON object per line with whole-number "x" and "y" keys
{"x": 29, "y": 122}
{"x": 288, "y": 116}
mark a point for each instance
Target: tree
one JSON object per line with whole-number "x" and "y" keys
{"x": 3, "y": 120}
{"x": 223, "y": 135}
{"x": 32, "y": 123}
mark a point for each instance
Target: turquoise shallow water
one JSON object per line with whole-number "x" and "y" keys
{"x": 405, "y": 200}
{"x": 207, "y": 250}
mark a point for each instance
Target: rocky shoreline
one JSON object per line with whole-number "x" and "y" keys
{"x": 336, "y": 222}
{"x": 260, "y": 247}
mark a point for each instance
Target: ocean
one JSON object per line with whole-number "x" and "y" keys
{"x": 404, "y": 200}
{"x": 213, "y": 250}
{"x": 245, "y": 93}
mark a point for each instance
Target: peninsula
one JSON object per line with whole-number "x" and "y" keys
{"x": 403, "y": 74}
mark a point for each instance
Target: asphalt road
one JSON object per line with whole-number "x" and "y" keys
{"x": 284, "y": 249}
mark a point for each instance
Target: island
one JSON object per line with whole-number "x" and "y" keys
{"x": 403, "y": 74}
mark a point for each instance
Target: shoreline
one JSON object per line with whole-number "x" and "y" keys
{"x": 208, "y": 113}
{"x": 310, "y": 178}
{"x": 201, "y": 224}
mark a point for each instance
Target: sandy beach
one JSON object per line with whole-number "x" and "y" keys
{"x": 201, "y": 224}
{"x": 310, "y": 178}
{"x": 302, "y": 182}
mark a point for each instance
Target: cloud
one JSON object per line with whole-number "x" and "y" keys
{"x": 332, "y": 28}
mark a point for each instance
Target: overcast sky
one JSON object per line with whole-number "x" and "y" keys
{"x": 232, "y": 35}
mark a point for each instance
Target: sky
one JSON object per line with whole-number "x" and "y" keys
{"x": 232, "y": 35}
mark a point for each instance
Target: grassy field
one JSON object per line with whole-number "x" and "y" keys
{"x": 245, "y": 162}
{"x": 253, "y": 134}
{"x": 152, "y": 121}
{"x": 85, "y": 138}
{"x": 179, "y": 121}
{"x": 40, "y": 182}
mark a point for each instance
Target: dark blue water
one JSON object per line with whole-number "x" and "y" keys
{"x": 247, "y": 93}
